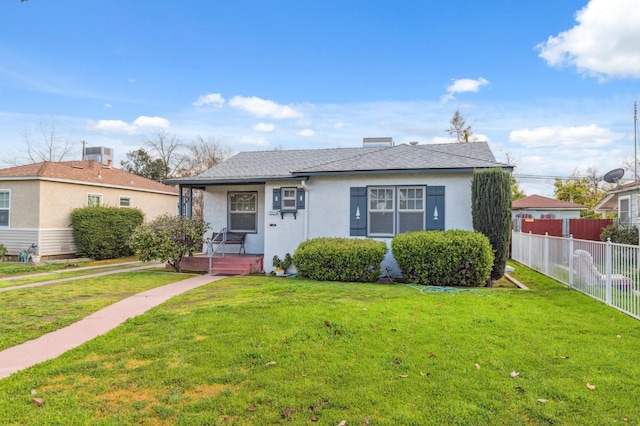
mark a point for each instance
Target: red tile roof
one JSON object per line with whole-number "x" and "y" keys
{"x": 88, "y": 172}
{"x": 540, "y": 202}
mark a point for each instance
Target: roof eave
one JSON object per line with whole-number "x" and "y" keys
{"x": 397, "y": 171}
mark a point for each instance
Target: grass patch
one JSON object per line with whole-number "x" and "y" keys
{"x": 262, "y": 350}
{"x": 31, "y": 312}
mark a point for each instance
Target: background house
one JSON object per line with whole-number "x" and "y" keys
{"x": 539, "y": 207}
{"x": 36, "y": 201}
{"x": 622, "y": 201}
{"x": 281, "y": 198}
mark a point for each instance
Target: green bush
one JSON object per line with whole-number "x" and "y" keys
{"x": 3, "y": 252}
{"x": 168, "y": 238}
{"x": 446, "y": 258}
{"x": 102, "y": 232}
{"x": 340, "y": 259}
{"x": 622, "y": 234}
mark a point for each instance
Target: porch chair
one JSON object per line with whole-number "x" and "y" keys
{"x": 588, "y": 273}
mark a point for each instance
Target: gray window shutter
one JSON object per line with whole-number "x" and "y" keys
{"x": 300, "y": 198}
{"x": 435, "y": 208}
{"x": 358, "y": 212}
{"x": 277, "y": 199}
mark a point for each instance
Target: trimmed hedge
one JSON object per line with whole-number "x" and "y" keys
{"x": 102, "y": 232}
{"x": 491, "y": 212}
{"x": 444, "y": 258}
{"x": 340, "y": 259}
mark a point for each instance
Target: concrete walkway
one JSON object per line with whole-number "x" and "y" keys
{"x": 56, "y": 343}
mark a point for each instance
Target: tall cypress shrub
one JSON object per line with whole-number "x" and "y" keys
{"x": 491, "y": 211}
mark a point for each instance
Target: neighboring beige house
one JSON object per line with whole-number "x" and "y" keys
{"x": 36, "y": 201}
{"x": 539, "y": 207}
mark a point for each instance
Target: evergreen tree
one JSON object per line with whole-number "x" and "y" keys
{"x": 491, "y": 211}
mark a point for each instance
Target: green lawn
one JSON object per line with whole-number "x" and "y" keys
{"x": 263, "y": 350}
{"x": 31, "y": 312}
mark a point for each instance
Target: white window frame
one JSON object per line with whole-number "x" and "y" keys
{"x": 421, "y": 210}
{"x": 99, "y": 196}
{"x": 232, "y": 212}
{"x": 628, "y": 211}
{"x": 129, "y": 199}
{"x": 381, "y": 208}
{"x": 289, "y": 195}
{"x": 7, "y": 208}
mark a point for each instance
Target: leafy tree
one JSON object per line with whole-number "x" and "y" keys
{"x": 141, "y": 163}
{"x": 491, "y": 212}
{"x": 459, "y": 129}
{"x": 585, "y": 190}
{"x": 168, "y": 238}
{"x": 516, "y": 192}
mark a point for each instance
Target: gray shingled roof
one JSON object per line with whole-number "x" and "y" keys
{"x": 255, "y": 166}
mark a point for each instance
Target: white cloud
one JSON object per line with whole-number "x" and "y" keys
{"x": 113, "y": 126}
{"x": 119, "y": 126}
{"x": 154, "y": 122}
{"x": 108, "y": 105}
{"x": 338, "y": 125}
{"x": 248, "y": 140}
{"x": 603, "y": 43}
{"x": 264, "y": 127}
{"x": 131, "y": 80}
{"x": 463, "y": 85}
{"x": 214, "y": 99}
{"x": 580, "y": 137}
{"x": 306, "y": 133}
{"x": 264, "y": 108}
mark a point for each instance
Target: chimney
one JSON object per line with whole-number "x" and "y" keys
{"x": 109, "y": 163}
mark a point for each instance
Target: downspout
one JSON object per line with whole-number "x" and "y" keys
{"x": 180, "y": 202}
{"x": 306, "y": 212}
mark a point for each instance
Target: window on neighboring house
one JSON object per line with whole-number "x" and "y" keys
{"x": 381, "y": 211}
{"x": 94, "y": 200}
{"x": 5, "y": 204}
{"x": 243, "y": 207}
{"x": 623, "y": 211}
{"x": 289, "y": 199}
{"x": 410, "y": 209}
{"x": 125, "y": 202}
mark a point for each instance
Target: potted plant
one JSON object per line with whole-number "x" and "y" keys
{"x": 277, "y": 263}
{"x": 282, "y": 265}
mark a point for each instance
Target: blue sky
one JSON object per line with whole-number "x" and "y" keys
{"x": 549, "y": 83}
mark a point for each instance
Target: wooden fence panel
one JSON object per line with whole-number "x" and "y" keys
{"x": 553, "y": 227}
{"x": 588, "y": 229}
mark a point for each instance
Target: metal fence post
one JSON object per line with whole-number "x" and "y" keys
{"x": 545, "y": 254}
{"x": 607, "y": 262}
{"x": 570, "y": 260}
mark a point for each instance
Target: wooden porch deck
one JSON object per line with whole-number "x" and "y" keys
{"x": 230, "y": 264}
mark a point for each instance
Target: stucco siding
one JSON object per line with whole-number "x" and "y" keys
{"x": 59, "y": 199}
{"x": 24, "y": 203}
{"x": 327, "y": 212}
{"x": 215, "y": 213}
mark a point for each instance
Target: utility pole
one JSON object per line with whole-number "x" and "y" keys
{"x": 83, "y": 145}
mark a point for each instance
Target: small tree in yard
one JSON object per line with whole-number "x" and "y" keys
{"x": 168, "y": 238}
{"x": 491, "y": 211}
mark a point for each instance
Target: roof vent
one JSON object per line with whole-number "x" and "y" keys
{"x": 413, "y": 143}
{"x": 377, "y": 142}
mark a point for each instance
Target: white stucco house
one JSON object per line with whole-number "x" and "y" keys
{"x": 624, "y": 201}
{"x": 283, "y": 197}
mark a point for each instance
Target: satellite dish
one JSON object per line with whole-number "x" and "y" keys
{"x": 613, "y": 176}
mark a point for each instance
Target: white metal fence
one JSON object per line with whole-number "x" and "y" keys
{"x": 607, "y": 271}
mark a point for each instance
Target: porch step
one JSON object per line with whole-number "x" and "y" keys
{"x": 228, "y": 265}
{"x": 231, "y": 268}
